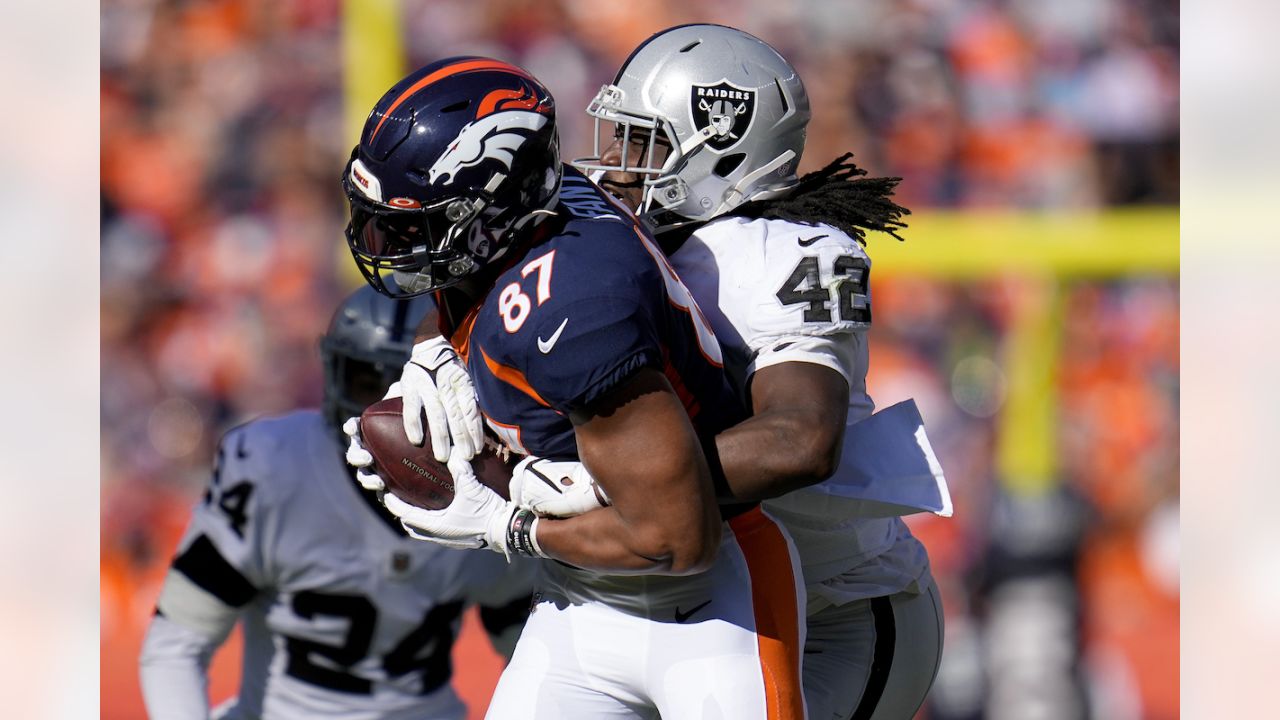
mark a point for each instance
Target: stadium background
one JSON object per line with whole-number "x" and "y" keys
{"x": 1032, "y": 312}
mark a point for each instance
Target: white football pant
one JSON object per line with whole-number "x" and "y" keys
{"x": 730, "y": 650}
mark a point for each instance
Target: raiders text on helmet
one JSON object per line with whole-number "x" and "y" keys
{"x": 726, "y": 109}
{"x": 733, "y": 111}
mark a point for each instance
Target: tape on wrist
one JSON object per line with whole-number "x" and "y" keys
{"x": 520, "y": 533}
{"x": 533, "y": 537}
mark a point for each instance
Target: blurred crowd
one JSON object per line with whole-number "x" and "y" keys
{"x": 222, "y": 256}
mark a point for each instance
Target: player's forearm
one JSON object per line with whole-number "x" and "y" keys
{"x": 429, "y": 327}
{"x": 794, "y": 437}
{"x": 770, "y": 455}
{"x": 173, "y": 667}
{"x": 639, "y": 445}
{"x": 601, "y": 540}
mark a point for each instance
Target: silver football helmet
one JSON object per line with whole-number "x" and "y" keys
{"x": 731, "y": 109}
{"x": 368, "y": 342}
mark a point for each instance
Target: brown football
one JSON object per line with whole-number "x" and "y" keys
{"x": 412, "y": 472}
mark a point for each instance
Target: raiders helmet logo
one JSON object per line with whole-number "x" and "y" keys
{"x": 726, "y": 108}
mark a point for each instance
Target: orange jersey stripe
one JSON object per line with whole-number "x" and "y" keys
{"x": 509, "y": 434}
{"x": 776, "y": 612}
{"x": 691, "y": 406}
{"x": 460, "y": 339}
{"x": 512, "y": 377}
{"x": 442, "y": 73}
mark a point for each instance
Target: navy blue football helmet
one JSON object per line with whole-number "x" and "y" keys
{"x": 452, "y": 162}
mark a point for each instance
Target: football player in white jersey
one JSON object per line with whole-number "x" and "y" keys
{"x": 344, "y": 616}
{"x": 778, "y": 266}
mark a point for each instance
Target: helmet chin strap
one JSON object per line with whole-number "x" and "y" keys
{"x": 413, "y": 281}
{"x": 697, "y": 140}
{"x": 536, "y": 216}
{"x": 531, "y": 219}
{"x": 734, "y": 196}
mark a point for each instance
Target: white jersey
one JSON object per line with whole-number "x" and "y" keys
{"x": 344, "y": 615}
{"x": 776, "y": 291}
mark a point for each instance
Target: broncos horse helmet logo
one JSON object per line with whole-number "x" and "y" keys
{"x": 497, "y": 136}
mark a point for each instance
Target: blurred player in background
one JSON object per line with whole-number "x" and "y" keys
{"x": 343, "y": 615}
{"x": 709, "y": 124}
{"x": 581, "y": 343}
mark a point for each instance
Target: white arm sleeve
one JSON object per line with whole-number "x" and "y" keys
{"x": 217, "y": 572}
{"x": 839, "y": 352}
{"x": 174, "y": 668}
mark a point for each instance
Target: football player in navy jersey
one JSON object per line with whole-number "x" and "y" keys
{"x": 343, "y": 616}
{"x": 582, "y": 344}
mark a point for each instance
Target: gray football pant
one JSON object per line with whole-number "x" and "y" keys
{"x": 873, "y": 659}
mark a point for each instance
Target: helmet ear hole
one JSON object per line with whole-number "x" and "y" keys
{"x": 729, "y": 163}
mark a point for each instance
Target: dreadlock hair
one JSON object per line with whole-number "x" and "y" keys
{"x": 838, "y": 195}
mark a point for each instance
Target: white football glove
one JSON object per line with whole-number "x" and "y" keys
{"x": 477, "y": 518}
{"x": 436, "y": 381}
{"x": 555, "y": 488}
{"x": 360, "y": 458}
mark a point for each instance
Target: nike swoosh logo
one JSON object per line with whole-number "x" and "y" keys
{"x": 806, "y": 242}
{"x": 544, "y": 346}
{"x": 682, "y": 616}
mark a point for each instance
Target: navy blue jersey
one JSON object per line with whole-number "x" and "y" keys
{"x": 587, "y": 306}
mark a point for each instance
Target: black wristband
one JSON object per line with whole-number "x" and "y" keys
{"x": 724, "y": 494}
{"x": 520, "y": 533}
